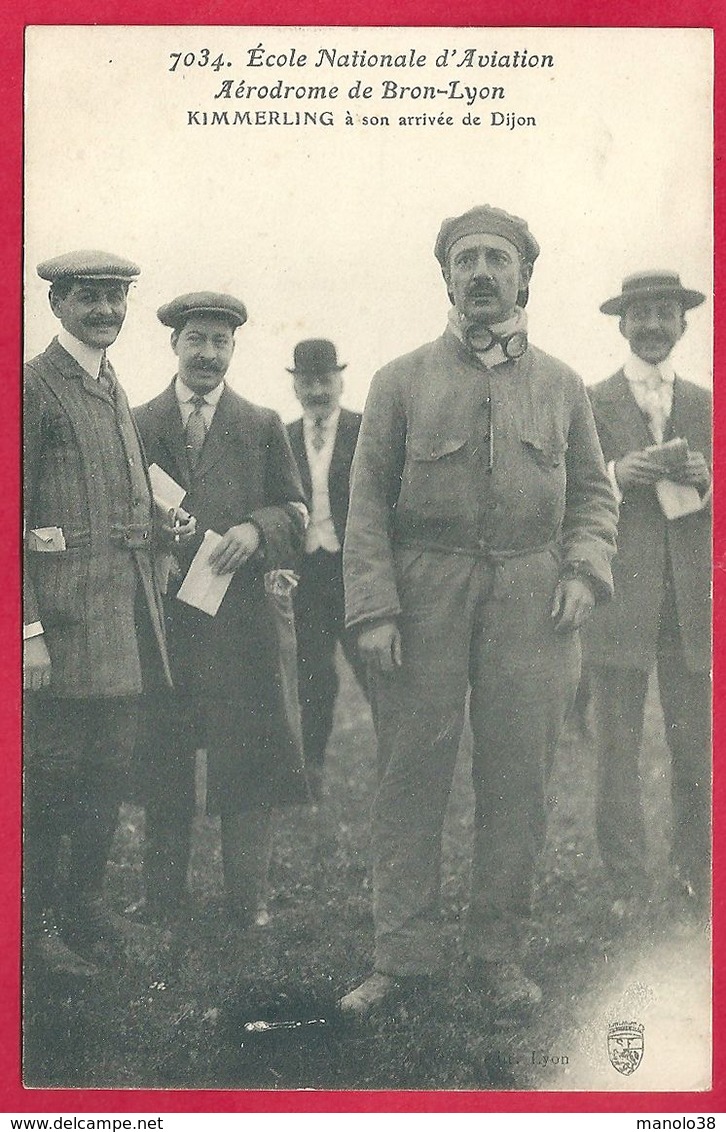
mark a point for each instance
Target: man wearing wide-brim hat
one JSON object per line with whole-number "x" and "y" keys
{"x": 92, "y": 620}
{"x": 479, "y": 538}
{"x": 655, "y": 429}
{"x": 323, "y": 441}
{"x": 235, "y": 678}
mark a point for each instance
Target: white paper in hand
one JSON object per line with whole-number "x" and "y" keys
{"x": 166, "y": 491}
{"x": 677, "y": 499}
{"x": 202, "y": 588}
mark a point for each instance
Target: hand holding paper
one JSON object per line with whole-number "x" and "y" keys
{"x": 203, "y": 586}
{"x": 695, "y": 471}
{"x": 686, "y": 476}
{"x": 639, "y": 469}
{"x": 235, "y": 548}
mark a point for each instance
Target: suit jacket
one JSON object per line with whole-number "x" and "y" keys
{"x": 84, "y": 472}
{"x": 625, "y": 634}
{"x": 346, "y": 438}
{"x": 233, "y": 662}
{"x": 422, "y": 473}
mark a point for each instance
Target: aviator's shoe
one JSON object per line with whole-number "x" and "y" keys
{"x": 55, "y": 956}
{"x": 373, "y": 993}
{"x": 512, "y": 993}
{"x": 94, "y": 927}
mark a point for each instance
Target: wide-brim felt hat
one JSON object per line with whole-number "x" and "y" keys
{"x": 86, "y": 264}
{"x": 183, "y": 307}
{"x": 315, "y": 356}
{"x": 652, "y": 285}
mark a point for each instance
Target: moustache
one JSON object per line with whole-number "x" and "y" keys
{"x": 480, "y": 289}
{"x": 206, "y": 367}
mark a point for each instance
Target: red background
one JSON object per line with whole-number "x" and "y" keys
{"x": 444, "y": 13}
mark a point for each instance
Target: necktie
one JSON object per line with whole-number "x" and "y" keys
{"x": 318, "y": 434}
{"x": 196, "y": 430}
{"x": 105, "y": 376}
{"x": 652, "y": 394}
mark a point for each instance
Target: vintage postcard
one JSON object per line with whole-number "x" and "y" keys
{"x": 306, "y": 172}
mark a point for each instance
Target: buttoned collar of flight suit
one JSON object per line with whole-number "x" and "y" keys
{"x": 494, "y": 355}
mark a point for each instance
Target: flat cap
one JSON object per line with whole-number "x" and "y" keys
{"x": 88, "y": 265}
{"x": 492, "y": 221}
{"x": 183, "y": 307}
{"x": 652, "y": 285}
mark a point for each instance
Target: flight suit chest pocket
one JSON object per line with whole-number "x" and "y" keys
{"x": 546, "y": 446}
{"x": 436, "y": 476}
{"x": 429, "y": 450}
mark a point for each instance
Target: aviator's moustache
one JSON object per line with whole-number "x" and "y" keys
{"x": 480, "y": 290}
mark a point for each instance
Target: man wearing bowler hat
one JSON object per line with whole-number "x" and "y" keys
{"x": 93, "y": 625}
{"x": 655, "y": 430}
{"x": 235, "y": 676}
{"x": 323, "y": 441}
{"x": 479, "y": 538}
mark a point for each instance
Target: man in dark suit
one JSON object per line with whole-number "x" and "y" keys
{"x": 234, "y": 673}
{"x": 660, "y": 615}
{"x": 93, "y": 627}
{"x": 323, "y": 441}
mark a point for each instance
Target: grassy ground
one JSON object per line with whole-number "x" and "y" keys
{"x": 173, "y": 1015}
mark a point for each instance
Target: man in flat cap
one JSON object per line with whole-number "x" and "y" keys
{"x": 235, "y": 676}
{"x": 323, "y": 441}
{"x": 479, "y": 538}
{"x": 655, "y": 430}
{"x": 93, "y": 627}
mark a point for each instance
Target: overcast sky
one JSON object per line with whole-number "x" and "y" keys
{"x": 329, "y": 230}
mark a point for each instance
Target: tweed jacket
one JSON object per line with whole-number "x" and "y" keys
{"x": 626, "y": 633}
{"x": 84, "y": 472}
{"x": 240, "y": 663}
{"x": 346, "y": 438}
{"x": 494, "y": 462}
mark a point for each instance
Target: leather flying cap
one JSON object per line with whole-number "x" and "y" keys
{"x": 652, "y": 285}
{"x": 315, "y": 356}
{"x": 492, "y": 221}
{"x": 88, "y": 265}
{"x": 177, "y": 312}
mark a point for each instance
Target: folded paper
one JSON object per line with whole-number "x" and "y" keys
{"x": 202, "y": 588}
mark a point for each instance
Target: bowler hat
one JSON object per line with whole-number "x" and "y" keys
{"x": 216, "y": 303}
{"x": 88, "y": 265}
{"x": 314, "y": 357}
{"x": 652, "y": 285}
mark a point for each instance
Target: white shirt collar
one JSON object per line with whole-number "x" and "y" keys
{"x": 636, "y": 369}
{"x": 184, "y": 393}
{"x": 89, "y": 358}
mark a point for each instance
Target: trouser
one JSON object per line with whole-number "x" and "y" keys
{"x": 76, "y": 754}
{"x": 619, "y": 705}
{"x": 246, "y": 856}
{"x": 164, "y": 784}
{"x": 466, "y": 623}
{"x": 320, "y": 624}
{"x": 173, "y": 730}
